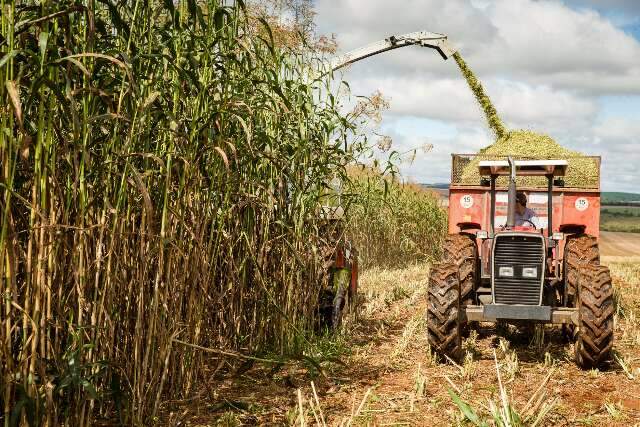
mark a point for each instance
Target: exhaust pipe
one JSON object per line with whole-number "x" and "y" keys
{"x": 511, "y": 213}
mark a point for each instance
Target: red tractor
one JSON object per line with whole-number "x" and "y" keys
{"x": 544, "y": 271}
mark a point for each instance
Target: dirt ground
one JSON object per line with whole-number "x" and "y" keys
{"x": 379, "y": 371}
{"x": 619, "y": 244}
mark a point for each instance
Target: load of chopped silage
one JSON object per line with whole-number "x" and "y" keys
{"x": 582, "y": 172}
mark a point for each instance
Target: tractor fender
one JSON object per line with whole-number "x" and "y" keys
{"x": 466, "y": 226}
{"x": 572, "y": 228}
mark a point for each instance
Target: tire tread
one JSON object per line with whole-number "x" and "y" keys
{"x": 443, "y": 309}
{"x": 596, "y": 309}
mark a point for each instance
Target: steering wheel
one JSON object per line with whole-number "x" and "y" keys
{"x": 532, "y": 224}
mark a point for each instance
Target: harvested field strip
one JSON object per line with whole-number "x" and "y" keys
{"x": 387, "y": 377}
{"x": 620, "y": 244}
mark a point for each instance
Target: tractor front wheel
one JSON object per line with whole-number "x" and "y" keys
{"x": 580, "y": 250}
{"x": 594, "y": 335}
{"x": 443, "y": 324}
{"x": 461, "y": 250}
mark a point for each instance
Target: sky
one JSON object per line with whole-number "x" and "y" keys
{"x": 570, "y": 69}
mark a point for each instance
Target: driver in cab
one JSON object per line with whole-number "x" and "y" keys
{"x": 524, "y": 216}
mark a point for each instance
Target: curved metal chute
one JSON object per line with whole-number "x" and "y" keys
{"x": 419, "y": 38}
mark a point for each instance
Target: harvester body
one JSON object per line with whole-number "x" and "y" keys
{"x": 339, "y": 293}
{"x": 495, "y": 270}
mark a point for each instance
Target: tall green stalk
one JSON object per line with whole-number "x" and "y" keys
{"x": 161, "y": 175}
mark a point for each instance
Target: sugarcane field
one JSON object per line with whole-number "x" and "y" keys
{"x": 319, "y": 213}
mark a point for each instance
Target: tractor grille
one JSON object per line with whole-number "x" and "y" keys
{"x": 520, "y": 252}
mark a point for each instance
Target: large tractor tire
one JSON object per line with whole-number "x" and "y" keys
{"x": 340, "y": 302}
{"x": 580, "y": 250}
{"x": 325, "y": 310}
{"x": 443, "y": 324}
{"x": 338, "y": 297}
{"x": 332, "y": 306}
{"x": 594, "y": 335}
{"x": 461, "y": 250}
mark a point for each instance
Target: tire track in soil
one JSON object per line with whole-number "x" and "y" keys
{"x": 616, "y": 243}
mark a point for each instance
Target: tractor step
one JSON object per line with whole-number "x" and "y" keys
{"x": 534, "y": 313}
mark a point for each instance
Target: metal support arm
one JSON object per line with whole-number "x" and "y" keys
{"x": 419, "y": 38}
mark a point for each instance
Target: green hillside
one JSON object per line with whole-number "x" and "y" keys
{"x": 616, "y": 198}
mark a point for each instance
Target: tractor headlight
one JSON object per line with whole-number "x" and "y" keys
{"x": 530, "y": 272}
{"x": 505, "y": 271}
{"x": 558, "y": 236}
{"x": 482, "y": 234}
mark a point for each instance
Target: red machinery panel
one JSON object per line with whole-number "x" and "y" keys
{"x": 468, "y": 206}
{"x": 582, "y": 208}
{"x": 571, "y": 207}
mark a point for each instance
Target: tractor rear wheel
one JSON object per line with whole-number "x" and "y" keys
{"x": 461, "y": 250}
{"x": 443, "y": 323}
{"x": 594, "y": 336}
{"x": 580, "y": 250}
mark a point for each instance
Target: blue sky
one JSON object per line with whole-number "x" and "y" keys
{"x": 570, "y": 69}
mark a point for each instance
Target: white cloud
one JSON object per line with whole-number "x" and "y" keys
{"x": 435, "y": 165}
{"x": 619, "y": 130}
{"x": 451, "y": 100}
{"x": 548, "y": 42}
{"x": 545, "y": 65}
{"x": 540, "y": 42}
{"x": 359, "y": 22}
{"x": 443, "y": 99}
{"x": 540, "y": 106}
